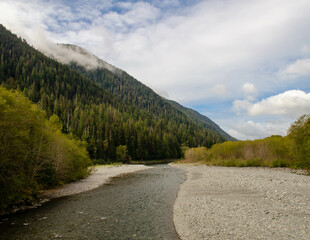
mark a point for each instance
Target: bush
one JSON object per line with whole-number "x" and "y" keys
{"x": 299, "y": 135}
{"x": 122, "y": 154}
{"x": 196, "y": 154}
{"x": 269, "y": 152}
{"x": 291, "y": 151}
{"x": 33, "y": 152}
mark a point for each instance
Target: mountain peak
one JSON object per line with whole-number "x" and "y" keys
{"x": 69, "y": 53}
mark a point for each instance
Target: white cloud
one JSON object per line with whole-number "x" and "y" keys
{"x": 249, "y": 130}
{"x": 292, "y": 104}
{"x": 305, "y": 49}
{"x": 168, "y": 3}
{"x": 207, "y": 44}
{"x": 299, "y": 68}
{"x": 212, "y": 43}
{"x": 219, "y": 90}
{"x": 139, "y": 14}
{"x": 239, "y": 106}
{"x": 161, "y": 92}
{"x": 194, "y": 53}
{"x": 249, "y": 89}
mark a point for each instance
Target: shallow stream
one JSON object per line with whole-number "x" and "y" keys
{"x": 133, "y": 206}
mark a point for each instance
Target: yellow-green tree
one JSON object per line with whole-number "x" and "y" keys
{"x": 33, "y": 151}
{"x": 122, "y": 154}
{"x": 299, "y": 134}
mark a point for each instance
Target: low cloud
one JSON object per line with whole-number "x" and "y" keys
{"x": 250, "y": 130}
{"x": 297, "y": 69}
{"x": 15, "y": 16}
{"x": 197, "y": 44}
{"x": 195, "y": 51}
{"x": 292, "y": 104}
{"x": 66, "y": 54}
{"x": 161, "y": 92}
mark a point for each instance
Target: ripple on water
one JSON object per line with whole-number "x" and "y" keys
{"x": 134, "y": 206}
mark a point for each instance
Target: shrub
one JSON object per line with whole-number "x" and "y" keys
{"x": 269, "y": 152}
{"x": 122, "y": 154}
{"x": 299, "y": 135}
{"x": 34, "y": 153}
{"x": 196, "y": 154}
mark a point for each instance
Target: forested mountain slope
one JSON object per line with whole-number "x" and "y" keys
{"x": 132, "y": 91}
{"x": 149, "y": 128}
{"x": 201, "y": 119}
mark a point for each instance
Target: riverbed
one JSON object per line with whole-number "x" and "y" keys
{"x": 242, "y": 203}
{"x": 134, "y": 206}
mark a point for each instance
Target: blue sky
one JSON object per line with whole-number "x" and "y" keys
{"x": 245, "y": 64}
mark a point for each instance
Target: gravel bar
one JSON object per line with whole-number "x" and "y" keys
{"x": 242, "y": 203}
{"x": 100, "y": 175}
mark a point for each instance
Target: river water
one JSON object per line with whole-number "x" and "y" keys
{"x": 133, "y": 206}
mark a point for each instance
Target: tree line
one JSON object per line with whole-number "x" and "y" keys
{"x": 291, "y": 151}
{"x": 148, "y": 126}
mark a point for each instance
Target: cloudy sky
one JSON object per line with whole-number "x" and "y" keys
{"x": 245, "y": 64}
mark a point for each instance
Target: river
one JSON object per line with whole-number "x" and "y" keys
{"x": 133, "y": 206}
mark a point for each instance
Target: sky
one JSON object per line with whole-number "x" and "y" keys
{"x": 244, "y": 64}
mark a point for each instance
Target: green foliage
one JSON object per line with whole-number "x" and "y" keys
{"x": 122, "y": 154}
{"x": 176, "y": 128}
{"x": 269, "y": 152}
{"x": 107, "y": 111}
{"x": 299, "y": 134}
{"x": 291, "y": 151}
{"x": 34, "y": 153}
{"x": 196, "y": 154}
{"x": 202, "y": 121}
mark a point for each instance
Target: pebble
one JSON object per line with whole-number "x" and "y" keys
{"x": 242, "y": 203}
{"x": 101, "y": 174}
{"x": 57, "y": 235}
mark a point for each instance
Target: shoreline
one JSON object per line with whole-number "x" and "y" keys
{"x": 99, "y": 176}
{"x": 242, "y": 203}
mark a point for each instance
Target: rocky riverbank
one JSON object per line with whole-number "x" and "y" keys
{"x": 134, "y": 206}
{"x": 242, "y": 203}
{"x": 100, "y": 175}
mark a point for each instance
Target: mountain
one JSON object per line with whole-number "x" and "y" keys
{"x": 128, "y": 89}
{"x": 67, "y": 53}
{"x": 201, "y": 120}
{"x": 109, "y": 113}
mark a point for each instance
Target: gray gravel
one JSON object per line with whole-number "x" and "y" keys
{"x": 101, "y": 174}
{"x": 242, "y": 203}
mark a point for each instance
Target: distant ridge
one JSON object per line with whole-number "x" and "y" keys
{"x": 117, "y": 117}
{"x": 201, "y": 119}
{"x": 130, "y": 84}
